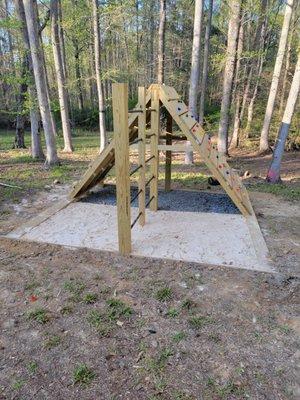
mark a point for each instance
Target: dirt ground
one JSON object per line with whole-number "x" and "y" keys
{"x": 82, "y": 324}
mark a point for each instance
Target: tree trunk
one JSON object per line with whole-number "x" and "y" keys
{"x": 205, "y": 63}
{"x": 78, "y": 75}
{"x": 101, "y": 102}
{"x": 151, "y": 43}
{"x": 36, "y": 146}
{"x": 60, "y": 78}
{"x": 62, "y": 42}
{"x": 237, "y": 88}
{"x": 195, "y": 71}
{"x": 233, "y": 29}
{"x": 20, "y": 120}
{"x": 40, "y": 80}
{"x": 264, "y": 141}
{"x": 195, "y": 61}
{"x": 274, "y": 170}
{"x": 286, "y": 70}
{"x": 161, "y": 42}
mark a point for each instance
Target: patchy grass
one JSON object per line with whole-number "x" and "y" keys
{"x": 197, "y": 322}
{"x": 172, "y": 312}
{"x": 188, "y": 304}
{"x": 178, "y": 337}
{"x": 99, "y": 321}
{"x": 18, "y": 384}
{"x": 32, "y": 367}
{"x": 83, "y": 375}
{"x": 288, "y": 192}
{"x": 157, "y": 363}
{"x": 90, "y": 298}
{"x": 74, "y": 287}
{"x": 52, "y": 341}
{"x": 117, "y": 309}
{"x": 39, "y": 315}
{"x": 164, "y": 294}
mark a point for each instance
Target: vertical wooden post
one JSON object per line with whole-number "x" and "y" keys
{"x": 142, "y": 152}
{"x": 155, "y": 129}
{"x": 168, "y": 154}
{"x": 121, "y": 136}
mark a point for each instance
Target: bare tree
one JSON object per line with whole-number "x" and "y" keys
{"x": 36, "y": 146}
{"x": 264, "y": 141}
{"x": 205, "y": 62}
{"x": 237, "y": 93}
{"x": 161, "y": 42}
{"x": 274, "y": 170}
{"x": 195, "y": 70}
{"x": 40, "y": 80}
{"x": 60, "y": 77}
{"x": 233, "y": 29}
{"x": 97, "y": 49}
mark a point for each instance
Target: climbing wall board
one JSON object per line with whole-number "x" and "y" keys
{"x": 216, "y": 163}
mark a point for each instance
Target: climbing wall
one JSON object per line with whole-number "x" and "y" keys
{"x": 202, "y": 143}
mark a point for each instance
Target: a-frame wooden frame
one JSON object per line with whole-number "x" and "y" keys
{"x": 200, "y": 141}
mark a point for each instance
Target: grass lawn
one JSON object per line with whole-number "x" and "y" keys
{"x": 17, "y": 168}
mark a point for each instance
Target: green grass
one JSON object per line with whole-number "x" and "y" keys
{"x": 157, "y": 363}
{"x": 90, "y": 298}
{"x": 52, "y": 341}
{"x": 172, "y": 313}
{"x": 117, "y": 309}
{"x": 99, "y": 321}
{"x": 38, "y": 315}
{"x": 178, "y": 337}
{"x": 74, "y": 287}
{"x": 197, "y": 322}
{"x": 32, "y": 367}
{"x": 83, "y": 375}
{"x": 164, "y": 294}
{"x": 279, "y": 189}
{"x": 82, "y": 139}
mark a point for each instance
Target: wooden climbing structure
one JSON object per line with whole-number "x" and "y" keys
{"x": 132, "y": 127}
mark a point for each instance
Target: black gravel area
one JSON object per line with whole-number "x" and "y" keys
{"x": 176, "y": 200}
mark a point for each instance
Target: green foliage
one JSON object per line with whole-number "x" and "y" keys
{"x": 117, "y": 309}
{"x": 197, "y": 322}
{"x": 172, "y": 313}
{"x": 83, "y": 375}
{"x": 178, "y": 337}
{"x": 90, "y": 298}
{"x": 38, "y": 315}
{"x": 286, "y": 191}
{"x": 164, "y": 294}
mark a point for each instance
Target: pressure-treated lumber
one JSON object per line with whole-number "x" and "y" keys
{"x": 120, "y": 116}
{"x": 201, "y": 142}
{"x": 142, "y": 152}
{"x": 194, "y": 133}
{"x": 103, "y": 163}
{"x": 155, "y": 130}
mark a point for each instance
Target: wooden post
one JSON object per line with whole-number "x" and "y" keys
{"x": 142, "y": 152}
{"x": 155, "y": 128}
{"x": 168, "y": 154}
{"x": 121, "y": 136}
